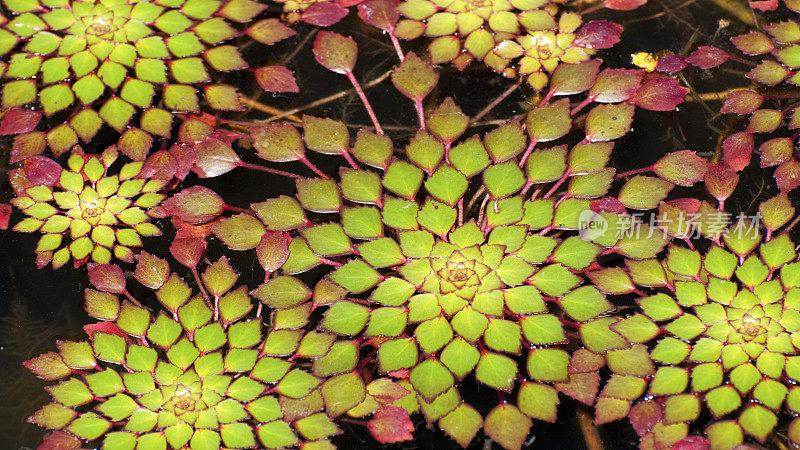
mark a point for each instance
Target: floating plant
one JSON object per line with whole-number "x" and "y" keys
{"x": 85, "y": 212}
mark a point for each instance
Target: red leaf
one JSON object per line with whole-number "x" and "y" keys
{"x": 27, "y": 145}
{"x": 706, "y": 57}
{"x": 690, "y": 205}
{"x": 608, "y": 204}
{"x": 787, "y": 176}
{"x": 60, "y": 440}
{"x": 104, "y": 327}
{"x": 19, "y": 121}
{"x": 276, "y": 79}
{"x": 185, "y": 157}
{"x": 660, "y": 94}
{"x": 5, "y": 215}
{"x": 188, "y": 250}
{"x": 380, "y": 13}
{"x": 721, "y": 181}
{"x": 736, "y": 150}
{"x": 742, "y": 102}
{"x": 273, "y": 250}
{"x": 391, "y": 424}
{"x": 400, "y": 373}
{"x": 644, "y": 415}
{"x": 323, "y": 14}
{"x": 42, "y": 170}
{"x": 195, "y": 205}
{"x": 581, "y": 386}
{"x": 623, "y": 5}
{"x": 347, "y": 3}
{"x": 671, "y": 64}
{"x": 598, "y": 34}
{"x": 764, "y": 5}
{"x": 335, "y": 52}
{"x": 683, "y": 168}
{"x": 159, "y": 165}
{"x": 214, "y": 158}
{"x": 693, "y": 442}
{"x": 107, "y": 278}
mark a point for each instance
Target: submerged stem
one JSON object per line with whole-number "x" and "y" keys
{"x": 268, "y": 170}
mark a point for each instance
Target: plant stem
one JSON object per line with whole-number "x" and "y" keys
{"x": 268, "y": 170}
{"x": 396, "y": 44}
{"x": 496, "y": 102}
{"x": 420, "y": 112}
{"x": 325, "y": 100}
{"x": 364, "y": 100}
{"x": 199, "y": 283}
{"x": 528, "y": 152}
{"x": 558, "y": 183}
{"x": 634, "y": 172}
{"x": 133, "y": 300}
{"x": 590, "y": 433}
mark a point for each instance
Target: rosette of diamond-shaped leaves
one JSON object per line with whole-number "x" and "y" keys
{"x": 721, "y": 328}
{"x": 83, "y": 211}
{"x": 445, "y": 288}
{"x": 201, "y": 375}
{"x": 525, "y": 39}
{"x": 120, "y": 62}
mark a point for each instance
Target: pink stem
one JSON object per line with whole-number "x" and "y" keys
{"x": 528, "y": 151}
{"x": 364, "y": 100}
{"x": 268, "y": 170}
{"x": 420, "y": 112}
{"x": 558, "y": 183}
{"x": 396, "y": 44}
{"x": 316, "y": 170}
{"x": 581, "y": 106}
{"x": 634, "y": 172}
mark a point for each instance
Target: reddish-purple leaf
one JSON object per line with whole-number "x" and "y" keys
{"x": 380, "y": 13}
{"x": 787, "y": 176}
{"x": 335, "y": 52}
{"x": 185, "y": 157}
{"x": 736, "y": 150}
{"x": 660, "y": 94}
{"x": 693, "y": 442}
{"x": 608, "y": 204}
{"x": 721, "y": 181}
{"x": 42, "y": 170}
{"x": 776, "y": 151}
{"x": 273, "y": 250}
{"x": 19, "y": 121}
{"x": 107, "y": 278}
{"x": 391, "y": 424}
{"x": 323, "y": 14}
{"x": 644, "y": 415}
{"x": 581, "y": 386}
{"x": 60, "y": 440}
{"x": 5, "y": 215}
{"x": 623, "y": 5}
{"x": 160, "y": 165}
{"x": 214, "y": 158}
{"x": 276, "y": 79}
{"x": 104, "y": 327}
{"x": 753, "y": 43}
{"x": 615, "y": 85}
{"x": 598, "y": 34}
{"x": 196, "y": 204}
{"x": 671, "y": 64}
{"x": 270, "y": 31}
{"x": 187, "y": 250}
{"x": 742, "y": 102}
{"x": 27, "y": 145}
{"x": 706, "y": 57}
{"x": 763, "y": 5}
{"x": 683, "y": 168}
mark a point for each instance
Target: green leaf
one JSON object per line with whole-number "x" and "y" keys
{"x": 502, "y": 180}
{"x": 447, "y": 185}
{"x": 437, "y": 218}
{"x": 345, "y": 318}
{"x": 549, "y": 122}
{"x": 397, "y": 354}
{"x": 297, "y": 384}
{"x": 276, "y": 434}
{"x": 548, "y": 364}
{"x": 282, "y": 213}
{"x": 343, "y": 392}
{"x": 403, "y": 179}
{"x": 318, "y": 195}
{"x": 362, "y": 222}
{"x": 546, "y": 165}
{"x": 507, "y": 426}
{"x": 381, "y": 252}
{"x": 642, "y": 192}
{"x": 431, "y": 378}
{"x": 240, "y": 232}
{"x": 447, "y": 122}
{"x": 356, "y": 276}
{"x": 360, "y": 186}
{"x": 758, "y": 421}
{"x": 607, "y": 122}
{"x": 400, "y": 214}
{"x": 669, "y": 380}
{"x": 584, "y": 303}
{"x": 462, "y": 424}
{"x": 414, "y": 78}
{"x": 505, "y": 142}
{"x": 327, "y": 239}
{"x": 460, "y": 357}
{"x": 469, "y": 157}
{"x": 723, "y": 400}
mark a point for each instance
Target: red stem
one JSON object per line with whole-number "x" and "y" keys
{"x": 634, "y": 172}
{"x": 311, "y": 166}
{"x": 268, "y": 170}
{"x": 364, "y": 100}
{"x": 420, "y": 112}
{"x": 396, "y": 44}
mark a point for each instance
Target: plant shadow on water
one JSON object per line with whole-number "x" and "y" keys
{"x": 40, "y": 306}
